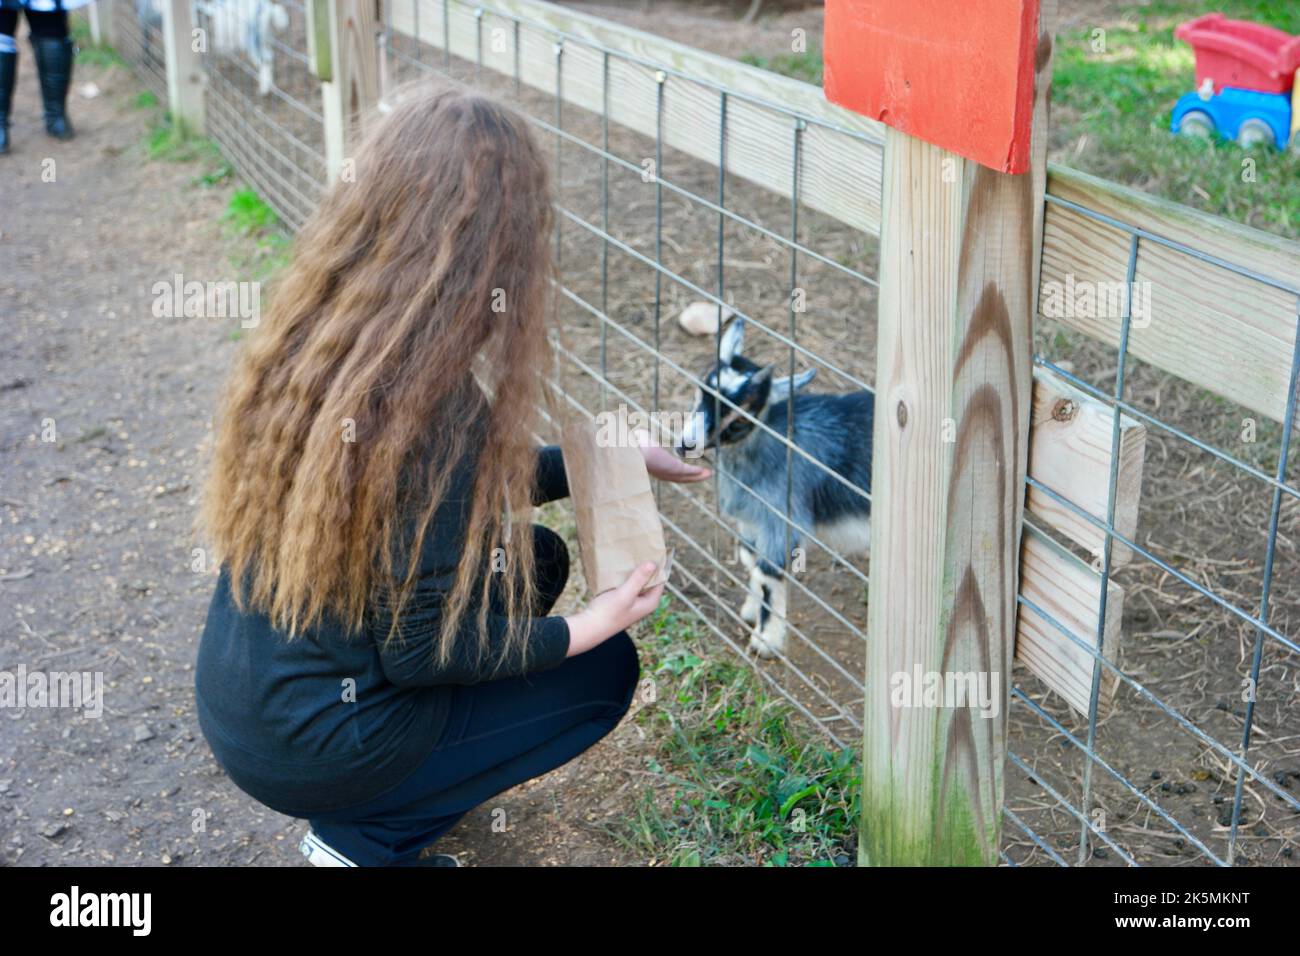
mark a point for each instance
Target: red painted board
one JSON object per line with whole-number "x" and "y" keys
{"x": 955, "y": 73}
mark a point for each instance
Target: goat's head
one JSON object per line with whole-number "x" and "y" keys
{"x": 746, "y": 389}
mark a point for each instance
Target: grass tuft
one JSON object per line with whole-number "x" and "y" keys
{"x": 740, "y": 779}
{"x": 249, "y": 216}
{"x": 1111, "y": 104}
{"x": 88, "y": 52}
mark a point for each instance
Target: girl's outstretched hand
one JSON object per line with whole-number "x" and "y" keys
{"x": 614, "y": 610}
{"x": 664, "y": 465}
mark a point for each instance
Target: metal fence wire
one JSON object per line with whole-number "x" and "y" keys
{"x": 1188, "y": 748}
{"x": 263, "y": 105}
{"x": 643, "y": 230}
{"x": 137, "y": 32}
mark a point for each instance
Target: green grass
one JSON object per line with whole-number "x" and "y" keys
{"x": 169, "y": 142}
{"x": 249, "y": 217}
{"x": 741, "y": 780}
{"x": 805, "y": 66}
{"x": 88, "y": 53}
{"x": 1111, "y": 111}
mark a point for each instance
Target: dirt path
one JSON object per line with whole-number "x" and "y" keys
{"x": 95, "y": 526}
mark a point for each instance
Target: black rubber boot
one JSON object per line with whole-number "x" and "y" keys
{"x": 8, "y": 71}
{"x": 54, "y": 64}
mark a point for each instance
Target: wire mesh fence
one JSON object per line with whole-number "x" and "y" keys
{"x": 263, "y": 104}
{"x": 1196, "y": 758}
{"x": 646, "y": 229}
{"x": 676, "y": 190}
{"x": 137, "y": 33}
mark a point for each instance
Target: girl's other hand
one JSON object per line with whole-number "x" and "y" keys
{"x": 614, "y": 610}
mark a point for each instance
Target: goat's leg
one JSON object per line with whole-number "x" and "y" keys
{"x": 749, "y": 611}
{"x": 768, "y": 637}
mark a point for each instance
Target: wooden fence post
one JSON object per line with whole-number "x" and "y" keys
{"x": 100, "y": 16}
{"x": 184, "y": 71}
{"x": 341, "y": 35}
{"x": 953, "y": 387}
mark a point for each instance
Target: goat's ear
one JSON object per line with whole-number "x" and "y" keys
{"x": 781, "y": 386}
{"x": 733, "y": 339}
{"x": 758, "y": 389}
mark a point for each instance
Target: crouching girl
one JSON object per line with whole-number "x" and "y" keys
{"x": 379, "y": 655}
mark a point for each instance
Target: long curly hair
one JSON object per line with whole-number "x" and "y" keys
{"x": 409, "y": 332}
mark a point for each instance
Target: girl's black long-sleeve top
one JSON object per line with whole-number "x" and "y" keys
{"x": 331, "y": 720}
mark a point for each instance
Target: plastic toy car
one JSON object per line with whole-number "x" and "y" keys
{"x": 1245, "y": 77}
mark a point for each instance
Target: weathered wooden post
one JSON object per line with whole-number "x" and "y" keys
{"x": 962, "y": 194}
{"x": 100, "y": 17}
{"x": 184, "y": 72}
{"x": 342, "y": 54}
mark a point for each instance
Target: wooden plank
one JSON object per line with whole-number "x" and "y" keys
{"x": 1230, "y": 334}
{"x": 353, "y": 88}
{"x": 1070, "y": 437}
{"x": 1063, "y": 586}
{"x": 100, "y": 21}
{"x": 840, "y": 173}
{"x": 319, "y": 60}
{"x": 896, "y": 60}
{"x": 953, "y": 358}
{"x": 184, "y": 71}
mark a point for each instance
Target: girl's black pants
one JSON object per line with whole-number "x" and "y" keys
{"x": 499, "y": 734}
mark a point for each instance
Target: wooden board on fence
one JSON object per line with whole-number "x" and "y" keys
{"x": 1228, "y": 333}
{"x": 840, "y": 151}
{"x": 350, "y": 60}
{"x": 896, "y": 60}
{"x": 1070, "y": 436}
{"x": 1060, "y": 584}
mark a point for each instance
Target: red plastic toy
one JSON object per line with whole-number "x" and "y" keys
{"x": 1242, "y": 54}
{"x": 1244, "y": 72}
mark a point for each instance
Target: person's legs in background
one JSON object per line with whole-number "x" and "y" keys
{"x": 53, "y": 50}
{"x": 8, "y": 71}
{"x": 500, "y": 733}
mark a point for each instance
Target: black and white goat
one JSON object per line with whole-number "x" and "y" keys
{"x": 835, "y": 430}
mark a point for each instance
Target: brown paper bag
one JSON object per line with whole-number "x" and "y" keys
{"x": 618, "y": 521}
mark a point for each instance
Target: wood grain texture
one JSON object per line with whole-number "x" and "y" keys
{"x": 1060, "y": 584}
{"x": 839, "y": 173}
{"x": 1070, "y": 438}
{"x": 953, "y": 361}
{"x": 353, "y": 65}
{"x": 1228, "y": 333}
